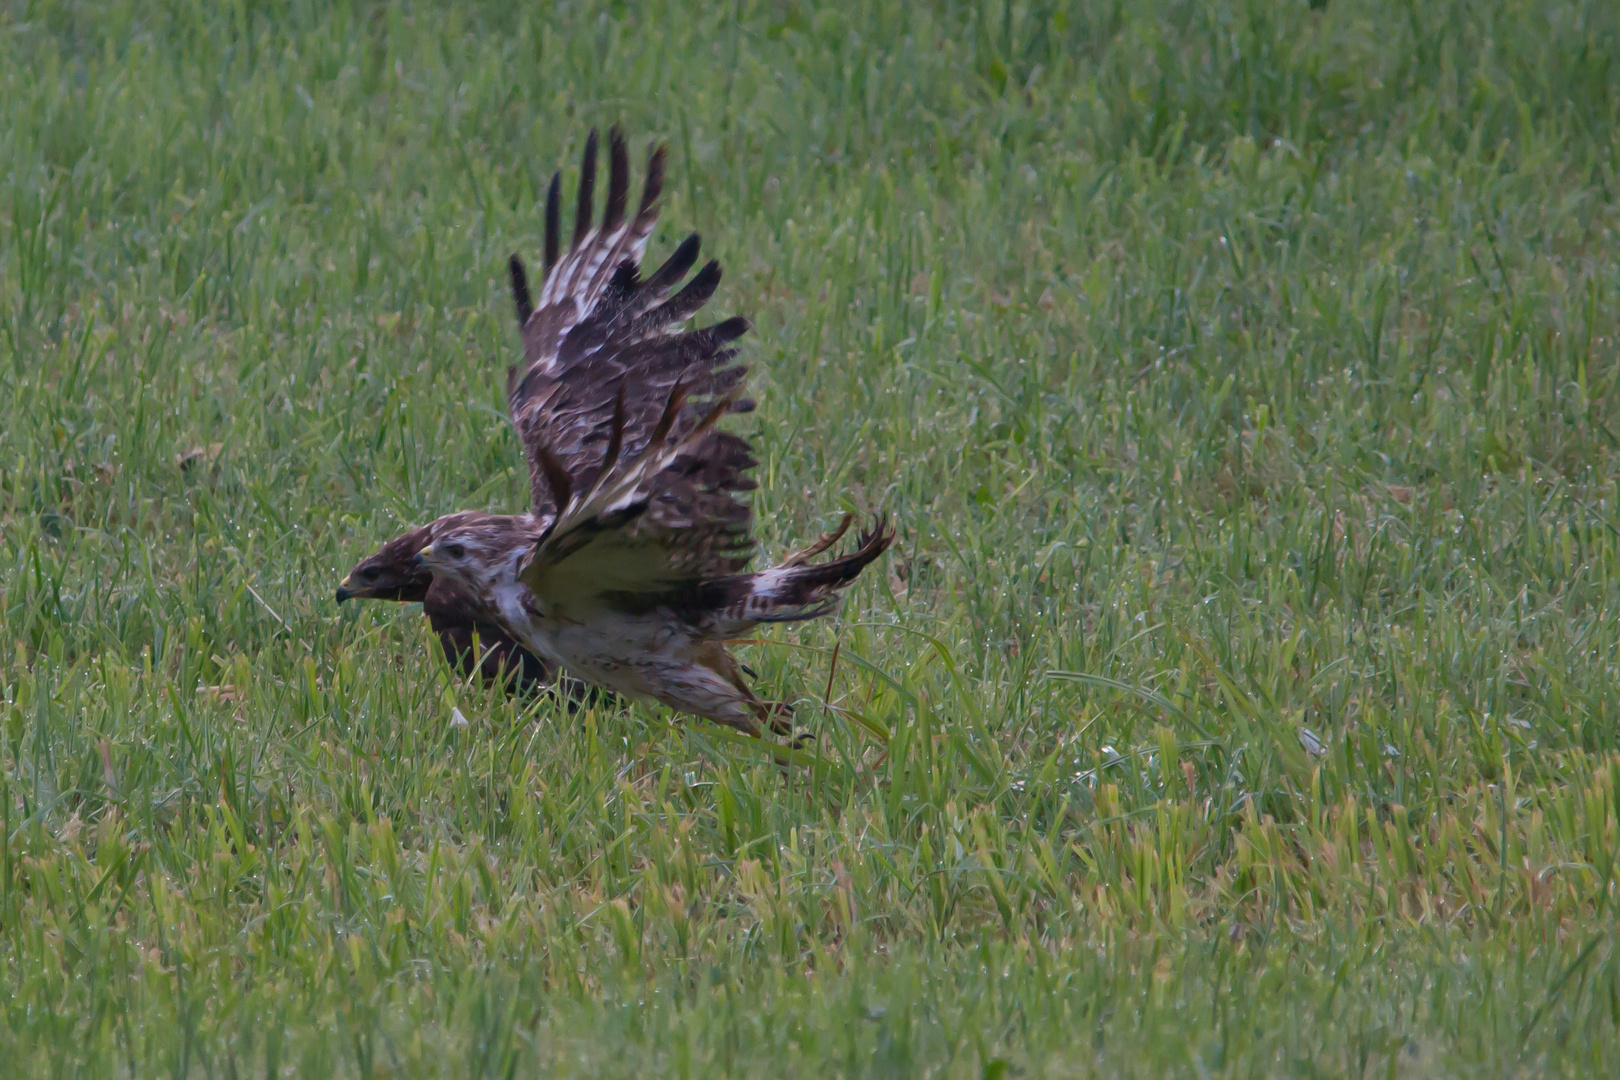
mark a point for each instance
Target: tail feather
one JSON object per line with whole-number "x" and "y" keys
{"x": 796, "y": 590}
{"x": 804, "y": 555}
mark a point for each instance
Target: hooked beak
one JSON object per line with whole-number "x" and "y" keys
{"x": 424, "y": 555}
{"x": 344, "y": 591}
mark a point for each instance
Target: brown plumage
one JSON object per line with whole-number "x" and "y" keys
{"x": 472, "y": 643}
{"x": 630, "y": 570}
{"x": 600, "y": 338}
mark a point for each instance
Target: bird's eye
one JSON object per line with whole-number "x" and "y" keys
{"x": 455, "y": 551}
{"x": 369, "y": 573}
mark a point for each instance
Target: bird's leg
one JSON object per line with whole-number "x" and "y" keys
{"x": 775, "y": 715}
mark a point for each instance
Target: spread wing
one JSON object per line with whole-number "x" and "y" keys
{"x": 604, "y": 350}
{"x": 652, "y": 529}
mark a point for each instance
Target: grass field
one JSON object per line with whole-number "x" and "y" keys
{"x": 1241, "y": 698}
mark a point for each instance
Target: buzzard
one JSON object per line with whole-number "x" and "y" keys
{"x": 630, "y": 569}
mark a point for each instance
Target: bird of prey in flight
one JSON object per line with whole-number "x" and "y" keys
{"x": 630, "y": 570}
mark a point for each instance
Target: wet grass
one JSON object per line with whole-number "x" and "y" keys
{"x": 1240, "y": 699}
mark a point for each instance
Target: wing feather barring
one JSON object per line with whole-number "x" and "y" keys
{"x": 630, "y": 571}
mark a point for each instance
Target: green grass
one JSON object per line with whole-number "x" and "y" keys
{"x": 1241, "y": 698}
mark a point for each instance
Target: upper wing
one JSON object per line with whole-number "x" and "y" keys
{"x": 602, "y": 339}
{"x": 651, "y": 529}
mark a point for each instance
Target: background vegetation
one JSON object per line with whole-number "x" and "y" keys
{"x": 1241, "y": 699}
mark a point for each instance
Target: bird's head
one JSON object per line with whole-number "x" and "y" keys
{"x": 479, "y": 553}
{"x": 392, "y": 572}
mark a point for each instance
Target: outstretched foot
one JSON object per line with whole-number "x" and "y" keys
{"x": 779, "y": 715}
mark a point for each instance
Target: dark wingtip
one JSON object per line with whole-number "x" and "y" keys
{"x": 654, "y": 185}
{"x": 695, "y": 293}
{"x": 618, "y": 180}
{"x": 520, "y": 289}
{"x": 675, "y": 267}
{"x": 583, "y": 208}
{"x": 706, "y": 278}
{"x": 553, "y": 220}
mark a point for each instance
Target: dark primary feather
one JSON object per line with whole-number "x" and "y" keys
{"x": 553, "y": 222}
{"x": 618, "y": 183}
{"x": 520, "y": 289}
{"x": 676, "y": 266}
{"x": 604, "y": 347}
{"x": 587, "y": 184}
